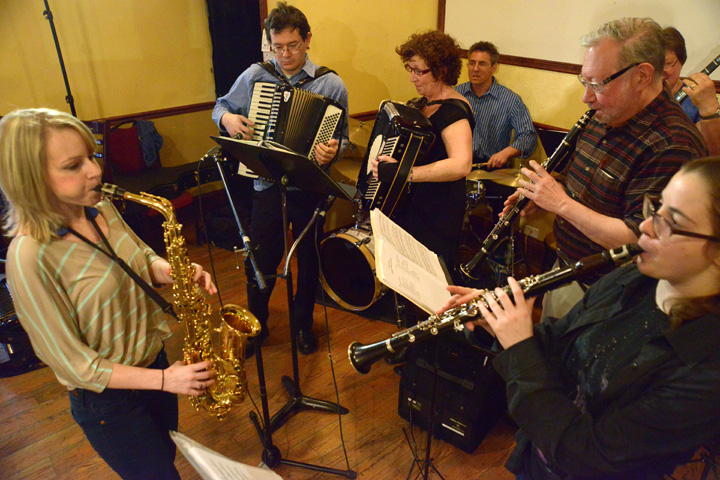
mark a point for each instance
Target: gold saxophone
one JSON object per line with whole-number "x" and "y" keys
{"x": 193, "y": 310}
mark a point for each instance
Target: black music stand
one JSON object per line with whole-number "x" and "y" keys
{"x": 286, "y": 168}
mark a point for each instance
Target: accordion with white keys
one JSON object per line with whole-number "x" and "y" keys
{"x": 403, "y": 133}
{"x": 292, "y": 117}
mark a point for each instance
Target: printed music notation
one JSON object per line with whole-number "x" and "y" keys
{"x": 406, "y": 266}
{"x": 213, "y": 466}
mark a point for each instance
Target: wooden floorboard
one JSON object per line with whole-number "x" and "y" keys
{"x": 39, "y": 438}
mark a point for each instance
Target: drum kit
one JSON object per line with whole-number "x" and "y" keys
{"x": 475, "y": 183}
{"x": 348, "y": 255}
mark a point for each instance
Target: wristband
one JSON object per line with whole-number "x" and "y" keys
{"x": 711, "y": 116}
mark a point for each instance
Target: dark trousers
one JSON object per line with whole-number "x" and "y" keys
{"x": 267, "y": 236}
{"x": 129, "y": 428}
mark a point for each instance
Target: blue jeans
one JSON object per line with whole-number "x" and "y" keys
{"x": 129, "y": 428}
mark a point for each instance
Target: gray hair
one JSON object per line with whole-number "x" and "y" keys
{"x": 641, "y": 39}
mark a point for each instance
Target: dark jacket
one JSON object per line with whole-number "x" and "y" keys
{"x": 651, "y": 416}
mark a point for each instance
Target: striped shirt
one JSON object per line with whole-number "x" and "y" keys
{"x": 499, "y": 113}
{"x": 81, "y": 311}
{"x": 612, "y": 168}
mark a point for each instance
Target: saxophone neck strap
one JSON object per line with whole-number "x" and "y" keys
{"x": 90, "y": 214}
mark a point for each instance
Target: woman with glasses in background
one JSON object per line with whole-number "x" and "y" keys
{"x": 433, "y": 209}
{"x": 627, "y": 385}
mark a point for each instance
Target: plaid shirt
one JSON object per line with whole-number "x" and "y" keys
{"x": 612, "y": 168}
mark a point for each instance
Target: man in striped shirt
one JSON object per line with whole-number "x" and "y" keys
{"x": 498, "y": 111}
{"x": 638, "y": 138}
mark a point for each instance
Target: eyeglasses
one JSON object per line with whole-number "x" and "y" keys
{"x": 598, "y": 87}
{"x": 292, "y": 49}
{"x": 417, "y": 71}
{"x": 662, "y": 227}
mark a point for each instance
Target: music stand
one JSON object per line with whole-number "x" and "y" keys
{"x": 286, "y": 168}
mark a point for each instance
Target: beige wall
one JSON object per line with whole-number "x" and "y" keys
{"x": 552, "y": 98}
{"x": 121, "y": 56}
{"x": 357, "y": 39}
{"x": 129, "y": 56}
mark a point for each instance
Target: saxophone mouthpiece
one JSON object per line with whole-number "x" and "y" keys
{"x": 110, "y": 190}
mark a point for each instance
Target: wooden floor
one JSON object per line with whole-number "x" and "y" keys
{"x": 40, "y": 440}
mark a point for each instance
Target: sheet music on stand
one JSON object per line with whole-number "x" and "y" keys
{"x": 213, "y": 466}
{"x": 407, "y": 266}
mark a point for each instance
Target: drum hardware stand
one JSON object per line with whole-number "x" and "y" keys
{"x": 272, "y": 164}
{"x": 424, "y": 465}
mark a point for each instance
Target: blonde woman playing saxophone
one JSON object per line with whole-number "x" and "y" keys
{"x": 86, "y": 318}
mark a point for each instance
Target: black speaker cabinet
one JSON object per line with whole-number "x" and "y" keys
{"x": 469, "y": 394}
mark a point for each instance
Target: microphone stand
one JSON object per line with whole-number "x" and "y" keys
{"x": 247, "y": 249}
{"x": 68, "y": 98}
{"x": 271, "y": 454}
{"x": 424, "y": 465}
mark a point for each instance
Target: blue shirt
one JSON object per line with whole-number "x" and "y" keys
{"x": 239, "y": 97}
{"x": 498, "y": 113}
{"x": 689, "y": 107}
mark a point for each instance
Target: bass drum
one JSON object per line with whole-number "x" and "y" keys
{"x": 348, "y": 268}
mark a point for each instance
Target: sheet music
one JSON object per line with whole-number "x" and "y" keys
{"x": 213, "y": 466}
{"x": 408, "y": 267}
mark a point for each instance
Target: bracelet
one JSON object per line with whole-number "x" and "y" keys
{"x": 410, "y": 176}
{"x": 711, "y": 116}
{"x": 162, "y": 381}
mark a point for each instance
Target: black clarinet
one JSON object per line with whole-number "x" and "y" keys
{"x": 362, "y": 357}
{"x": 680, "y": 95}
{"x": 499, "y": 231}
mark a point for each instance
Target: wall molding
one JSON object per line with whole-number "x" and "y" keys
{"x": 164, "y": 112}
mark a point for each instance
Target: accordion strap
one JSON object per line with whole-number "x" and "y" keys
{"x": 319, "y": 72}
{"x": 423, "y": 102}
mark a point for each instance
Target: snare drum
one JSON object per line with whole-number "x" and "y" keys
{"x": 348, "y": 268}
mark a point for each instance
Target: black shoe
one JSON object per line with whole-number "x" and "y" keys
{"x": 398, "y": 357}
{"x": 306, "y": 342}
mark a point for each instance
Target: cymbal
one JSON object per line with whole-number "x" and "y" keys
{"x": 503, "y": 176}
{"x": 360, "y": 132}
